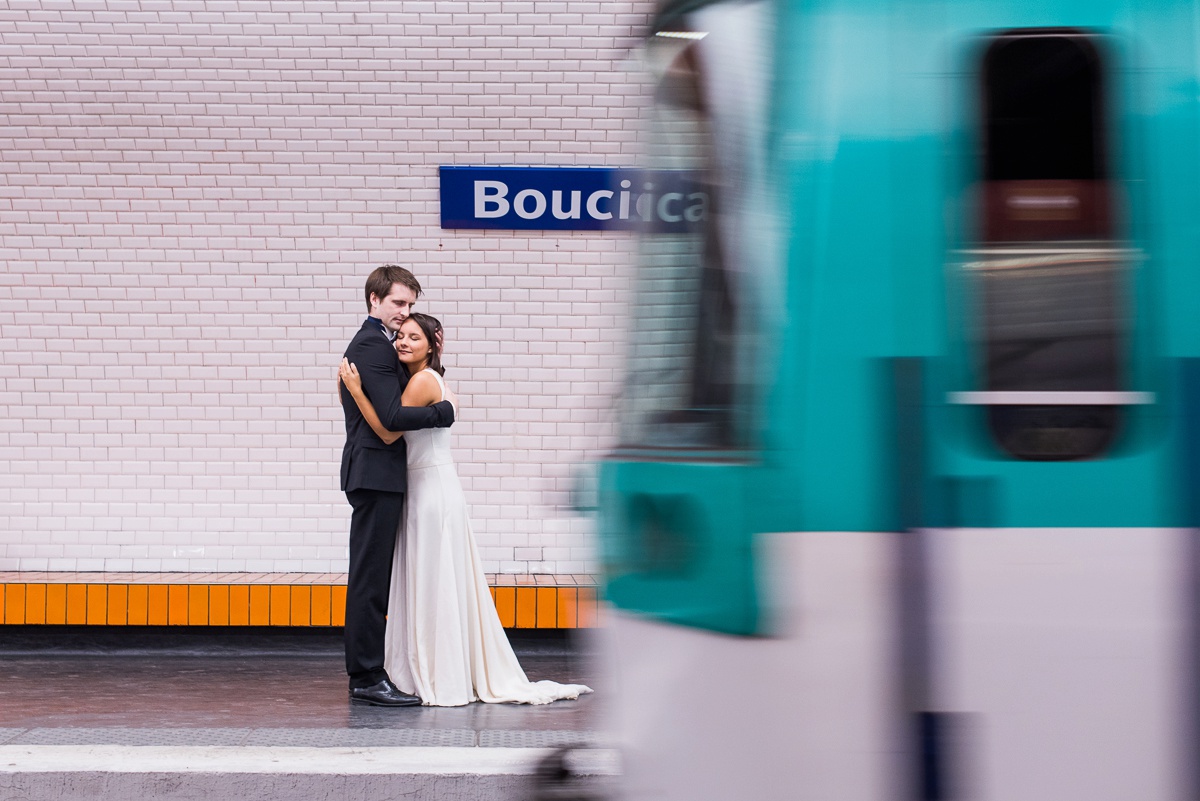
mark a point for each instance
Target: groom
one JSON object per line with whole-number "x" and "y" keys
{"x": 374, "y": 477}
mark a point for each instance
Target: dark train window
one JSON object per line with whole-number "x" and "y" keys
{"x": 691, "y": 342}
{"x": 677, "y": 394}
{"x": 1048, "y": 269}
{"x": 1044, "y": 109}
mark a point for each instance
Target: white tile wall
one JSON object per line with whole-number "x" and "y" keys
{"x": 191, "y": 194}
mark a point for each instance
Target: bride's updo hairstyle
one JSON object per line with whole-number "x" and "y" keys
{"x": 430, "y": 327}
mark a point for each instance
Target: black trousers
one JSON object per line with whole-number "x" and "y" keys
{"x": 373, "y": 527}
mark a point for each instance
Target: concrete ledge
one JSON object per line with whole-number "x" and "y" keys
{"x": 32, "y": 773}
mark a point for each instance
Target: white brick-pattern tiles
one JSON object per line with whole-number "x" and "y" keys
{"x": 191, "y": 194}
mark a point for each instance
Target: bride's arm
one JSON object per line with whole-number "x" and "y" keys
{"x": 351, "y": 380}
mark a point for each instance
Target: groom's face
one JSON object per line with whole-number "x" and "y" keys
{"x": 394, "y": 309}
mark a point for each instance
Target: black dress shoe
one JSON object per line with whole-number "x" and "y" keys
{"x": 382, "y": 694}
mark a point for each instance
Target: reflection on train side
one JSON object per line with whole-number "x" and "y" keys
{"x": 1051, "y": 326}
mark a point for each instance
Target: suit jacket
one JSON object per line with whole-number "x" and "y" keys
{"x": 368, "y": 462}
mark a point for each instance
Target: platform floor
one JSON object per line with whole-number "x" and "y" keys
{"x": 104, "y": 697}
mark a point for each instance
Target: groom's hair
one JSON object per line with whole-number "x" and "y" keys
{"x": 379, "y": 282}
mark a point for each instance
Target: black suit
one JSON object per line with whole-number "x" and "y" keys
{"x": 374, "y": 477}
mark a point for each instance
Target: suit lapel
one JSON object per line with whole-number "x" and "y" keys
{"x": 370, "y": 329}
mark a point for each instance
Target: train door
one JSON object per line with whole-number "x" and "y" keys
{"x": 1053, "y": 568}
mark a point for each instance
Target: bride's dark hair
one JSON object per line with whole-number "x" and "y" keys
{"x": 430, "y": 326}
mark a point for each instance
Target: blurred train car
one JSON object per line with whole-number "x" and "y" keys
{"x": 906, "y": 501}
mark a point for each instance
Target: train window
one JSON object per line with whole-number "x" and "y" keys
{"x": 1048, "y": 270}
{"x": 689, "y": 357}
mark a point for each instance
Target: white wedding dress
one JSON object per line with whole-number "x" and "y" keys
{"x": 444, "y": 640}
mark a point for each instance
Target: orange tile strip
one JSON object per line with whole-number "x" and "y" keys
{"x": 270, "y": 599}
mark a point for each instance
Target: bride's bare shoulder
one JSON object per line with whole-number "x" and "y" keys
{"x": 425, "y": 378}
{"x": 422, "y": 390}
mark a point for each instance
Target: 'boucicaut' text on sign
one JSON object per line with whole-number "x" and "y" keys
{"x": 571, "y": 199}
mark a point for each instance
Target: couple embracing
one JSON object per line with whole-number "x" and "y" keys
{"x": 421, "y": 626}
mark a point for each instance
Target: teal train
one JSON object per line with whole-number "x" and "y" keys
{"x": 906, "y": 498}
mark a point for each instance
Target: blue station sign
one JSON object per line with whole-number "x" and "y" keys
{"x": 571, "y": 199}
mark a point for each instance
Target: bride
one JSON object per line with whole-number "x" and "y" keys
{"x": 444, "y": 641}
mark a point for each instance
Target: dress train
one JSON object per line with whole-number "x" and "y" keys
{"x": 444, "y": 640}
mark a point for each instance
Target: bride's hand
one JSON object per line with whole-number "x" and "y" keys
{"x": 349, "y": 376}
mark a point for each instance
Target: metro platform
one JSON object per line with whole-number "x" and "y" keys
{"x": 255, "y": 712}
